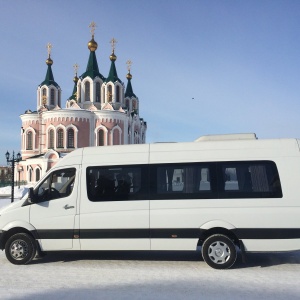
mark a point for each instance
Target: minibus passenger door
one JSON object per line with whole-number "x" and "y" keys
{"x": 114, "y": 209}
{"x": 54, "y": 208}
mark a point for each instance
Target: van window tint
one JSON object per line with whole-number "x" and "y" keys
{"x": 114, "y": 183}
{"x": 58, "y": 184}
{"x": 209, "y": 180}
{"x": 179, "y": 181}
{"x": 249, "y": 179}
{"x": 217, "y": 180}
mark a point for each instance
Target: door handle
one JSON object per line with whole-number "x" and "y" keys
{"x": 68, "y": 207}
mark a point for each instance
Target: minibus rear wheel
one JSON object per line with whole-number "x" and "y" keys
{"x": 20, "y": 248}
{"x": 219, "y": 251}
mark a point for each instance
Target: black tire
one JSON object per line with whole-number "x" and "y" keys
{"x": 20, "y": 249}
{"x": 219, "y": 251}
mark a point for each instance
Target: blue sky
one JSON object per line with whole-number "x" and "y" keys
{"x": 239, "y": 60}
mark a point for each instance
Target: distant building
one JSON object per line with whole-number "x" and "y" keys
{"x": 5, "y": 174}
{"x": 100, "y": 112}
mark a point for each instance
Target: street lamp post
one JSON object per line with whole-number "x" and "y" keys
{"x": 12, "y": 160}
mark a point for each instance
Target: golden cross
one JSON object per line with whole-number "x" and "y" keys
{"x": 49, "y": 48}
{"x": 129, "y": 64}
{"x": 113, "y": 44}
{"x": 76, "y": 67}
{"x": 93, "y": 27}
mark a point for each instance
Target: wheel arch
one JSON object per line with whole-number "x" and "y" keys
{"x": 218, "y": 227}
{"x": 14, "y": 228}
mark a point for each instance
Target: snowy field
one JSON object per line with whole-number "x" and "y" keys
{"x": 149, "y": 275}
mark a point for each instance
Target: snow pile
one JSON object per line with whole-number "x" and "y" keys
{"x": 5, "y": 194}
{"x": 18, "y": 192}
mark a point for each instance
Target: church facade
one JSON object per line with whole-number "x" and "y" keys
{"x": 100, "y": 112}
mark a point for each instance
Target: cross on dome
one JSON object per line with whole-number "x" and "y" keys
{"x": 93, "y": 28}
{"x": 129, "y": 64}
{"x": 113, "y": 44}
{"x": 49, "y": 48}
{"x": 76, "y": 67}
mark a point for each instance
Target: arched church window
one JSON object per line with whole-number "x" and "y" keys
{"x": 117, "y": 93}
{"x": 60, "y": 138}
{"x": 29, "y": 140}
{"x": 44, "y": 96}
{"x": 30, "y": 175}
{"x": 37, "y": 174}
{"x": 52, "y": 97}
{"x": 70, "y": 138}
{"x": 127, "y": 103}
{"x": 100, "y": 137}
{"x": 51, "y": 139}
{"x": 109, "y": 93}
{"x": 116, "y": 137}
{"x": 98, "y": 92}
{"x": 133, "y": 104}
{"x": 87, "y": 91}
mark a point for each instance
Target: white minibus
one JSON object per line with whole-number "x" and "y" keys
{"x": 225, "y": 195}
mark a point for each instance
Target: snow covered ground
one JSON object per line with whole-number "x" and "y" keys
{"x": 148, "y": 275}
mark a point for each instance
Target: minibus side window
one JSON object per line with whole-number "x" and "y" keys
{"x": 58, "y": 184}
{"x": 183, "y": 181}
{"x": 215, "y": 180}
{"x": 115, "y": 183}
{"x": 248, "y": 179}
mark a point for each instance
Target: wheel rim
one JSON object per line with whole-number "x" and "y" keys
{"x": 219, "y": 252}
{"x": 18, "y": 249}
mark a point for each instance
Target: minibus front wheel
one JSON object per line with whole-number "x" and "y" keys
{"x": 20, "y": 248}
{"x": 219, "y": 251}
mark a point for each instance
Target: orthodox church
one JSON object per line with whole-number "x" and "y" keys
{"x": 100, "y": 112}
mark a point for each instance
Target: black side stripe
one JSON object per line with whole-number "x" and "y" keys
{"x": 114, "y": 233}
{"x": 168, "y": 233}
{"x": 55, "y": 234}
{"x": 267, "y": 233}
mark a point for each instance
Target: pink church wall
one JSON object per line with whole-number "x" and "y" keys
{"x": 109, "y": 124}
{"x": 81, "y": 124}
{"x": 33, "y": 126}
{"x": 84, "y": 135}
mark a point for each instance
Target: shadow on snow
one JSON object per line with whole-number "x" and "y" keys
{"x": 252, "y": 259}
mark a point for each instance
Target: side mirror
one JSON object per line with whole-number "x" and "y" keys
{"x": 32, "y": 197}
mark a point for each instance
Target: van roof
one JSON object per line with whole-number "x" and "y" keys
{"x": 226, "y": 137}
{"x": 210, "y": 149}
